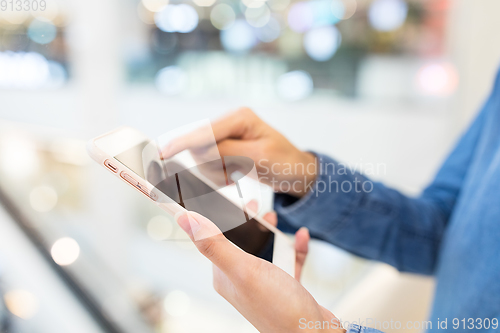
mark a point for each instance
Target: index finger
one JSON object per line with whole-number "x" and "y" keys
{"x": 213, "y": 244}
{"x": 230, "y": 126}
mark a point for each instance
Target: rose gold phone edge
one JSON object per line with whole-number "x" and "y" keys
{"x": 284, "y": 252}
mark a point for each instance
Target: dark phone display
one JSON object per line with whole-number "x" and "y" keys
{"x": 194, "y": 195}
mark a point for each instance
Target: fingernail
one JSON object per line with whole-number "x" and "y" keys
{"x": 188, "y": 223}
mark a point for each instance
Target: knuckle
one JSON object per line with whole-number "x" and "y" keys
{"x": 206, "y": 247}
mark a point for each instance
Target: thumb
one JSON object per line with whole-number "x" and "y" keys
{"x": 210, "y": 241}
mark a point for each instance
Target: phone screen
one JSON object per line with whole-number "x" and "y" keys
{"x": 250, "y": 236}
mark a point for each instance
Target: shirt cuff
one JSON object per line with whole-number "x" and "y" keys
{"x": 327, "y": 204}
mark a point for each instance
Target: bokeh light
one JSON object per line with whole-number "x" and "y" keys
{"x": 177, "y": 303}
{"x": 387, "y": 15}
{"x": 154, "y": 5}
{"x": 239, "y": 37}
{"x": 43, "y": 198}
{"x": 171, "y": 80}
{"x": 42, "y": 31}
{"x": 437, "y": 79}
{"x": 322, "y": 43}
{"x": 295, "y": 85}
{"x": 254, "y": 3}
{"x": 65, "y": 251}
{"x": 278, "y": 5}
{"x": 177, "y": 18}
{"x": 204, "y": 3}
{"x": 160, "y": 228}
{"x": 322, "y": 13}
{"x": 19, "y": 157}
{"x": 222, "y": 16}
{"x": 300, "y": 17}
{"x": 344, "y": 9}
{"x": 270, "y": 32}
{"x": 258, "y": 17}
{"x": 21, "y": 303}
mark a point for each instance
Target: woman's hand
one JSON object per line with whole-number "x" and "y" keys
{"x": 279, "y": 163}
{"x": 265, "y": 295}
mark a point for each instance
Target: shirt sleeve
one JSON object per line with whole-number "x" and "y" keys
{"x": 373, "y": 221}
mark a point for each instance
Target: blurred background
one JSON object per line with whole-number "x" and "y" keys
{"x": 383, "y": 81}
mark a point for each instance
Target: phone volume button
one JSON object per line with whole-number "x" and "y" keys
{"x": 129, "y": 179}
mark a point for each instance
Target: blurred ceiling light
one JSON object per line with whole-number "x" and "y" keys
{"x": 43, "y": 199}
{"x": 177, "y": 303}
{"x": 239, "y": 37}
{"x": 344, "y": 9}
{"x": 19, "y": 157}
{"x": 387, "y": 15}
{"x": 322, "y": 43}
{"x": 25, "y": 70}
{"x": 254, "y": 3}
{"x": 204, "y": 3}
{"x": 300, "y": 17}
{"x": 222, "y": 16}
{"x": 155, "y": 5}
{"x": 160, "y": 228}
{"x": 270, "y": 32}
{"x": 65, "y": 251}
{"x": 177, "y": 18}
{"x": 21, "y": 303}
{"x": 171, "y": 80}
{"x": 258, "y": 17}
{"x": 295, "y": 85}
{"x": 438, "y": 79}
{"x": 278, "y": 5}
{"x": 42, "y": 31}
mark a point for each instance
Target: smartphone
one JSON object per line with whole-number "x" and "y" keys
{"x": 121, "y": 153}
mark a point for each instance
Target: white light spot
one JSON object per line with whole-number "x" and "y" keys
{"x": 270, "y": 32}
{"x": 65, "y": 251}
{"x": 295, "y": 85}
{"x": 222, "y": 16}
{"x": 300, "y": 17}
{"x": 258, "y": 17}
{"x": 154, "y": 5}
{"x": 387, "y": 15}
{"x": 239, "y": 37}
{"x": 177, "y": 18}
{"x": 322, "y": 43}
{"x": 21, "y": 303}
{"x": 437, "y": 79}
{"x": 204, "y": 3}
{"x": 171, "y": 80}
{"x": 43, "y": 199}
{"x": 177, "y": 303}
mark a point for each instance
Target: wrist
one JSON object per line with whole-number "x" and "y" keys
{"x": 308, "y": 175}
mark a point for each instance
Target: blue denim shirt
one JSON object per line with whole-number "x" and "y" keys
{"x": 451, "y": 231}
